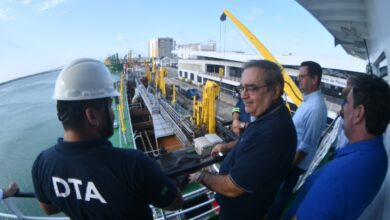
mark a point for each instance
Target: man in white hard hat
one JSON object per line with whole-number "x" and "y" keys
{"x": 83, "y": 175}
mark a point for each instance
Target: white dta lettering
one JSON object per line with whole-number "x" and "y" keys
{"x": 76, "y": 183}
{"x": 90, "y": 193}
{"x": 93, "y": 193}
{"x": 57, "y": 180}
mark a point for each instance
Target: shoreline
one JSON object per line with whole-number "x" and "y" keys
{"x": 34, "y": 74}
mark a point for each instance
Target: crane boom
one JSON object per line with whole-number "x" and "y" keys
{"x": 290, "y": 88}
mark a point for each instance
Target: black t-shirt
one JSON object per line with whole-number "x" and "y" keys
{"x": 93, "y": 180}
{"x": 258, "y": 163}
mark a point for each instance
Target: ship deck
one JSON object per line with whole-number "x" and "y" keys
{"x": 123, "y": 135}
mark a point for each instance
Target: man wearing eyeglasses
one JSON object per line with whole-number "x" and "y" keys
{"x": 256, "y": 165}
{"x": 310, "y": 121}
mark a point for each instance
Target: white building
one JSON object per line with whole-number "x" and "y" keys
{"x": 200, "y": 66}
{"x": 161, "y": 47}
{"x": 210, "y": 46}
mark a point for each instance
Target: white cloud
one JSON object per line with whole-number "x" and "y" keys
{"x": 26, "y": 2}
{"x": 6, "y": 14}
{"x": 49, "y": 4}
{"x": 120, "y": 37}
{"x": 254, "y": 13}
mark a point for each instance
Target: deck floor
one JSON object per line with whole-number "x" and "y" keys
{"x": 118, "y": 139}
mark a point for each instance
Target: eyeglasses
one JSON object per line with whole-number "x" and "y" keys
{"x": 250, "y": 88}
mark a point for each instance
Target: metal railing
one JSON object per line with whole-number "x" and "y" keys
{"x": 232, "y": 78}
{"x": 16, "y": 213}
{"x": 160, "y": 214}
{"x": 170, "y": 115}
{"x": 326, "y": 141}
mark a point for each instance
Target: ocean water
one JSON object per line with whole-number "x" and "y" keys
{"x": 28, "y": 125}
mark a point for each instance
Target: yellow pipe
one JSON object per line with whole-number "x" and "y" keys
{"x": 198, "y": 108}
{"x": 173, "y": 94}
{"x": 148, "y": 75}
{"x": 194, "y": 108}
{"x": 121, "y": 104}
{"x": 211, "y": 110}
{"x": 163, "y": 74}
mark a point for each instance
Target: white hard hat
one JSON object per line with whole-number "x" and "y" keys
{"x": 84, "y": 79}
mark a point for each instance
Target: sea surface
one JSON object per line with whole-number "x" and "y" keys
{"x": 28, "y": 125}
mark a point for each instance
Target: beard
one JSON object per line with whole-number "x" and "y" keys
{"x": 107, "y": 129}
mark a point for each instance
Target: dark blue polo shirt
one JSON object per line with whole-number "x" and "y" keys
{"x": 258, "y": 163}
{"x": 93, "y": 180}
{"x": 344, "y": 187}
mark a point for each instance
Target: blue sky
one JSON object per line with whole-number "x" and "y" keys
{"x": 38, "y": 35}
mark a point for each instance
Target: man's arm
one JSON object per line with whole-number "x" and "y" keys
{"x": 49, "y": 209}
{"x": 158, "y": 190}
{"x": 221, "y": 148}
{"x": 37, "y": 182}
{"x": 177, "y": 202}
{"x": 236, "y": 127}
{"x": 311, "y": 135}
{"x": 221, "y": 184}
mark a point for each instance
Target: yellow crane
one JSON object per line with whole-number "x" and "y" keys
{"x": 204, "y": 111}
{"x": 290, "y": 89}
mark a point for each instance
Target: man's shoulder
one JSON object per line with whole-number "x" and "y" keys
{"x": 315, "y": 106}
{"x": 363, "y": 155}
{"x": 339, "y": 169}
{"x": 113, "y": 152}
{"x": 47, "y": 152}
{"x": 343, "y": 173}
{"x": 127, "y": 154}
{"x": 281, "y": 116}
{"x": 316, "y": 99}
{"x": 277, "y": 122}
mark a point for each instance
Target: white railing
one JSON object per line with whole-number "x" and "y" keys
{"x": 17, "y": 214}
{"x": 160, "y": 214}
{"x": 170, "y": 116}
{"x": 329, "y": 137}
